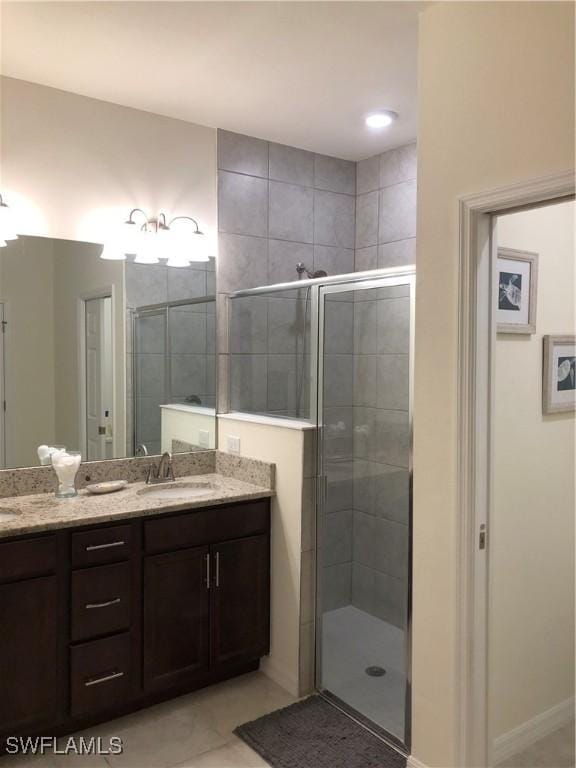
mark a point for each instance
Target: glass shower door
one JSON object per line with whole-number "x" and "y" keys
{"x": 364, "y": 515}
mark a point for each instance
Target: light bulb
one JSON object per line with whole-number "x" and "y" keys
{"x": 199, "y": 247}
{"x": 381, "y": 119}
{"x": 148, "y": 249}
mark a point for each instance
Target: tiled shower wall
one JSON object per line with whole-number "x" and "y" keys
{"x": 277, "y": 206}
{"x": 192, "y": 344}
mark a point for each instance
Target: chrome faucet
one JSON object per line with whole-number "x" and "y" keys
{"x": 163, "y": 473}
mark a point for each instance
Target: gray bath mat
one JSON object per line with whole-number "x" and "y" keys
{"x": 314, "y": 734}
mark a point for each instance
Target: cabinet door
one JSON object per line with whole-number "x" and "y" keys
{"x": 28, "y": 654}
{"x": 176, "y": 617}
{"x": 241, "y": 599}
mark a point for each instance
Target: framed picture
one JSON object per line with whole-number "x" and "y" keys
{"x": 517, "y": 276}
{"x": 559, "y": 374}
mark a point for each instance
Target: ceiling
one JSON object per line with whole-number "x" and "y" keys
{"x": 300, "y": 73}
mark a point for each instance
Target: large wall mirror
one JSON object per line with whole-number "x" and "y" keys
{"x": 109, "y": 358}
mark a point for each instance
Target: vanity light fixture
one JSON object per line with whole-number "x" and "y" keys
{"x": 150, "y": 240}
{"x": 381, "y": 119}
{"x": 7, "y": 227}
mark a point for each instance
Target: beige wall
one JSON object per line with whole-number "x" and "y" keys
{"x": 291, "y": 450}
{"x": 532, "y": 529}
{"x": 30, "y": 418}
{"x": 74, "y": 167}
{"x": 496, "y": 106}
{"x": 79, "y": 272}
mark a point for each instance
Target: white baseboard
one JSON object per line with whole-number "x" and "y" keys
{"x": 413, "y": 762}
{"x": 525, "y": 735}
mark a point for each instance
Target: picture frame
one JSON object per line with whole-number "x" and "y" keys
{"x": 516, "y": 291}
{"x": 559, "y": 374}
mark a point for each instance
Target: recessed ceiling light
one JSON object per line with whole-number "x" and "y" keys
{"x": 381, "y": 119}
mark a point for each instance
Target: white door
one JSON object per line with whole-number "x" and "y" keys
{"x": 95, "y": 406}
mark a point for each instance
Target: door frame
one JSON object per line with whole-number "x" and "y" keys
{"x": 476, "y": 331}
{"x": 3, "y": 327}
{"x": 346, "y": 283}
{"x": 107, "y": 292}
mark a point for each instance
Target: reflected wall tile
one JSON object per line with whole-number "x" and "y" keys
{"x": 151, "y": 380}
{"x": 146, "y": 284}
{"x": 393, "y": 382}
{"x": 151, "y": 334}
{"x": 242, "y": 204}
{"x": 242, "y": 262}
{"x": 187, "y": 332}
{"x": 339, "y": 327}
{"x": 291, "y": 212}
{"x": 148, "y": 419}
{"x": 186, "y": 284}
{"x": 243, "y": 154}
{"x": 295, "y": 166}
{"x": 401, "y": 253}
{"x": 334, "y": 219}
{"x": 365, "y": 380}
{"x": 367, "y": 220}
{"x": 188, "y": 375}
{"x": 334, "y": 174}
{"x": 338, "y": 380}
{"x": 398, "y": 165}
{"x": 365, "y": 327}
{"x": 397, "y": 212}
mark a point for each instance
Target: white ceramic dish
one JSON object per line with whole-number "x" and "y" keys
{"x": 110, "y": 486}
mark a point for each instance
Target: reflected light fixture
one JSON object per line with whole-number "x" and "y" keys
{"x": 150, "y": 240}
{"x": 7, "y": 225}
{"x": 381, "y": 119}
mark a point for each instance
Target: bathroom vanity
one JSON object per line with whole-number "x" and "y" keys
{"x": 114, "y": 603}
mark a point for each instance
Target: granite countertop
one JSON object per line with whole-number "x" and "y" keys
{"x": 44, "y": 512}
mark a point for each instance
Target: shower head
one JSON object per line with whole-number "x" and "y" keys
{"x": 301, "y": 269}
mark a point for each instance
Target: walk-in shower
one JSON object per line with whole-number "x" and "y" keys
{"x": 338, "y": 351}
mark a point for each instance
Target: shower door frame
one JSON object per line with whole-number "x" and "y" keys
{"x": 386, "y": 278}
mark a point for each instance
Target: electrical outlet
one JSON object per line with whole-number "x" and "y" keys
{"x": 233, "y": 444}
{"x": 204, "y": 438}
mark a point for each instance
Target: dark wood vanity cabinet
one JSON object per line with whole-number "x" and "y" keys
{"x": 129, "y": 614}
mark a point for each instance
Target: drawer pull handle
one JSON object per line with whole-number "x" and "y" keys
{"x": 207, "y": 571}
{"x": 92, "y": 547}
{"x": 115, "y": 601}
{"x": 217, "y": 569}
{"x": 105, "y": 679}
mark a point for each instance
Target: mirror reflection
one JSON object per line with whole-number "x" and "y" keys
{"x": 109, "y": 358}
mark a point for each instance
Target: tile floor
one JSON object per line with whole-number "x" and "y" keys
{"x": 193, "y": 731}
{"x": 352, "y": 641}
{"x": 554, "y": 751}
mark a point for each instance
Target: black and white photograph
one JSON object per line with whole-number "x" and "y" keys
{"x": 559, "y": 374}
{"x": 517, "y": 275}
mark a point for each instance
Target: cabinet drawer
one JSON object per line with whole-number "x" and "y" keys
{"x": 206, "y": 526}
{"x": 99, "y": 674}
{"x": 100, "y": 601}
{"x": 27, "y": 558}
{"x": 101, "y": 545}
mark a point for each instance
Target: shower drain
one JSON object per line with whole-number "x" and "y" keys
{"x": 375, "y": 671}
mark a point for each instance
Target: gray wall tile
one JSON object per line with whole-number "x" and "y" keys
{"x": 286, "y": 328}
{"x": 394, "y": 326}
{"x": 337, "y": 544}
{"x": 381, "y": 544}
{"x": 334, "y": 219}
{"x": 282, "y": 383}
{"x": 243, "y": 154}
{"x": 366, "y": 390}
{"x": 249, "y": 325}
{"x": 151, "y": 375}
{"x": 333, "y": 260}
{"x": 367, "y": 220}
{"x": 290, "y": 164}
{"x": 338, "y": 380}
{"x": 291, "y": 212}
{"x": 146, "y": 284}
{"x": 188, "y": 375}
{"x": 335, "y": 175}
{"x": 187, "y": 332}
{"x": 397, "y": 214}
{"x": 186, "y": 284}
{"x": 339, "y": 328}
{"x": 400, "y": 253}
{"x": 283, "y": 257}
{"x": 393, "y": 382}
{"x": 398, "y": 165}
{"x": 242, "y": 204}
{"x": 368, "y": 175}
{"x": 382, "y": 490}
{"x": 151, "y": 334}
{"x": 381, "y": 595}
{"x": 248, "y": 383}
{"x": 148, "y": 417}
{"x": 242, "y": 262}
{"x": 366, "y": 259}
{"x": 365, "y": 327}
{"x": 336, "y": 586}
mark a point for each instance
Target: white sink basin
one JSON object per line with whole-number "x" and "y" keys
{"x": 177, "y": 491}
{"x": 6, "y": 516}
